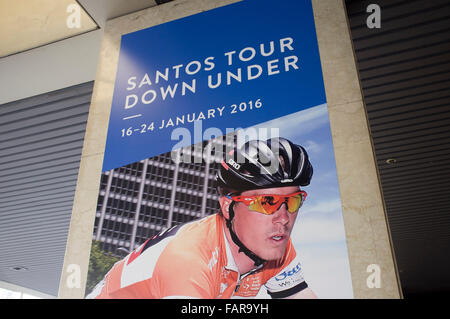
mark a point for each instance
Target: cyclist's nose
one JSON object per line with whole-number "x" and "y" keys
{"x": 281, "y": 215}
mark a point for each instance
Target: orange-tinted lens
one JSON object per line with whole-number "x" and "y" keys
{"x": 257, "y": 206}
{"x": 270, "y": 204}
{"x": 266, "y": 204}
{"x": 294, "y": 203}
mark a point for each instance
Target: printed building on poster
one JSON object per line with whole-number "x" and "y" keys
{"x": 137, "y": 201}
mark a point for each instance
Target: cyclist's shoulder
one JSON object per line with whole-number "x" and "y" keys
{"x": 194, "y": 240}
{"x": 190, "y": 253}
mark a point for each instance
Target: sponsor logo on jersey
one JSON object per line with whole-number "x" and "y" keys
{"x": 288, "y": 273}
{"x": 289, "y": 282}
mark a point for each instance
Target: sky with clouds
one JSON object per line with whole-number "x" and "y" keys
{"x": 318, "y": 235}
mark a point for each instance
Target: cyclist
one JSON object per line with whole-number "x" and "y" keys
{"x": 236, "y": 251}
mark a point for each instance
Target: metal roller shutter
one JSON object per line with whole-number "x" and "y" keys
{"x": 404, "y": 69}
{"x": 40, "y": 151}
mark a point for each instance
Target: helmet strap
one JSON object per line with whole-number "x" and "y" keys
{"x": 242, "y": 248}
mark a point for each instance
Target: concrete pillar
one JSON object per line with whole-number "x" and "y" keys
{"x": 368, "y": 238}
{"x": 86, "y": 195}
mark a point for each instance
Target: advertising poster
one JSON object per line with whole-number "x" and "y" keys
{"x": 186, "y": 94}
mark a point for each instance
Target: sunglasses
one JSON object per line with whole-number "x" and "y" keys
{"x": 269, "y": 203}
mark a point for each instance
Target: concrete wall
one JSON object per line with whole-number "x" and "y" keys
{"x": 368, "y": 238}
{"x": 51, "y": 67}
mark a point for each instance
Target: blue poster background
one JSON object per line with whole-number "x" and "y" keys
{"x": 249, "y": 23}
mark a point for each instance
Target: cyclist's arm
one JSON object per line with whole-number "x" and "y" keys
{"x": 289, "y": 282}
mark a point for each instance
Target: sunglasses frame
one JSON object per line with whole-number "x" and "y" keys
{"x": 248, "y": 200}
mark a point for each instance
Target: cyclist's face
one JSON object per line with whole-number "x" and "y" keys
{"x": 266, "y": 235}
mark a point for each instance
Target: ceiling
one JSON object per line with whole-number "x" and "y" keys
{"x": 404, "y": 69}
{"x": 26, "y": 24}
{"x": 102, "y": 10}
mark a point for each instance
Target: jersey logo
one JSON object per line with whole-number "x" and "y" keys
{"x": 289, "y": 273}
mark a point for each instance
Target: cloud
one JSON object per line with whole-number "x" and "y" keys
{"x": 312, "y": 147}
{"x": 299, "y": 123}
{"x": 327, "y": 271}
{"x": 318, "y": 231}
{"x": 331, "y": 206}
{"x": 328, "y": 177}
{"x": 319, "y": 239}
{"x": 319, "y": 223}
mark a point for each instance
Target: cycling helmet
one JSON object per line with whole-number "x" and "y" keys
{"x": 258, "y": 164}
{"x": 276, "y": 162}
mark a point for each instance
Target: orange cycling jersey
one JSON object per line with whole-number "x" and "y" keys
{"x": 194, "y": 261}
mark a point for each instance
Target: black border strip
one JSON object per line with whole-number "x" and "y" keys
{"x": 288, "y": 292}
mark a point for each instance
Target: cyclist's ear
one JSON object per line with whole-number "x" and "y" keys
{"x": 224, "y": 206}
